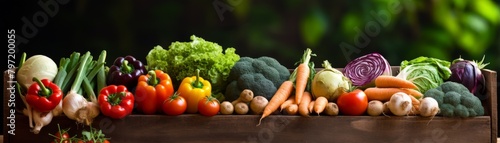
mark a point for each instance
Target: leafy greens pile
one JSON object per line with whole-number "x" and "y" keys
{"x": 425, "y": 72}
{"x": 183, "y": 58}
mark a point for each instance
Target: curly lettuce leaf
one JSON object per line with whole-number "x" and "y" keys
{"x": 183, "y": 58}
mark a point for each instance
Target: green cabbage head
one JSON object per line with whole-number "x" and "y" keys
{"x": 426, "y": 73}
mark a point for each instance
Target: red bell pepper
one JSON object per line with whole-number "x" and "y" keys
{"x": 116, "y": 101}
{"x": 43, "y": 95}
{"x": 152, "y": 90}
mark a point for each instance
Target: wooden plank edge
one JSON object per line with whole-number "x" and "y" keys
{"x": 491, "y": 84}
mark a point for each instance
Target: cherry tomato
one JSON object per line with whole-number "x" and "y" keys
{"x": 208, "y": 106}
{"x": 174, "y": 105}
{"x": 353, "y": 103}
{"x": 61, "y": 136}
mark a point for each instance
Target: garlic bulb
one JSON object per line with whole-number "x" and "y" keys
{"x": 76, "y": 107}
{"x": 41, "y": 120}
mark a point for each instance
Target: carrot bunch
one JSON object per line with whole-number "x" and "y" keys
{"x": 301, "y": 76}
{"x": 386, "y": 86}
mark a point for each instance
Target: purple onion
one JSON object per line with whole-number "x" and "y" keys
{"x": 469, "y": 74}
{"x": 363, "y": 70}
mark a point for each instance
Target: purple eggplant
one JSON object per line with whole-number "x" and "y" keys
{"x": 469, "y": 74}
{"x": 125, "y": 71}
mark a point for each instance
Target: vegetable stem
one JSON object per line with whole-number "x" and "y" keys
{"x": 101, "y": 75}
{"x": 44, "y": 91}
{"x": 23, "y": 59}
{"x": 79, "y": 75}
{"x": 88, "y": 89}
{"x": 116, "y": 98}
{"x": 126, "y": 68}
{"x": 197, "y": 83}
{"x": 327, "y": 65}
{"x": 153, "y": 80}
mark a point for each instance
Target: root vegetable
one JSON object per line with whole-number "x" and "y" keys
{"x": 245, "y": 97}
{"x": 258, "y": 104}
{"x": 329, "y": 83}
{"x": 385, "y": 109}
{"x": 387, "y": 81}
{"x": 241, "y": 108}
{"x": 331, "y": 109}
{"x": 304, "y": 104}
{"x": 226, "y": 108}
{"x": 320, "y": 104}
{"x": 400, "y": 104}
{"x": 415, "y": 109}
{"x": 292, "y": 109}
{"x": 281, "y": 95}
{"x": 375, "y": 108}
{"x": 41, "y": 120}
{"x": 75, "y": 106}
{"x": 429, "y": 107}
{"x": 385, "y": 94}
{"x": 39, "y": 66}
{"x": 311, "y": 106}
{"x": 288, "y": 102}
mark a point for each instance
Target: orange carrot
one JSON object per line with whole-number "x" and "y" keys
{"x": 320, "y": 104}
{"x": 288, "y": 102}
{"x": 384, "y": 94}
{"x": 292, "y": 109}
{"x": 311, "y": 106}
{"x": 302, "y": 75}
{"x": 278, "y": 98}
{"x": 386, "y": 81}
{"x": 304, "y": 104}
{"x": 415, "y": 108}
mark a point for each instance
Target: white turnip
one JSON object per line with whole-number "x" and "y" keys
{"x": 400, "y": 104}
{"x": 428, "y": 107}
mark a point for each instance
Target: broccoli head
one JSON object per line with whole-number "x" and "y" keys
{"x": 262, "y": 75}
{"x": 455, "y": 100}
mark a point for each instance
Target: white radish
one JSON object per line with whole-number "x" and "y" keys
{"x": 429, "y": 107}
{"x": 400, "y": 104}
{"x": 375, "y": 108}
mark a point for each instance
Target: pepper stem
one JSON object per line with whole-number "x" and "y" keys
{"x": 44, "y": 91}
{"x": 152, "y": 79}
{"x": 116, "y": 98}
{"x": 125, "y": 67}
{"x": 197, "y": 83}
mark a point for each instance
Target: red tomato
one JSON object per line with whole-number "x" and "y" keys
{"x": 174, "y": 105}
{"x": 208, "y": 106}
{"x": 353, "y": 103}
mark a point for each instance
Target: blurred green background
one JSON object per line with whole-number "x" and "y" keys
{"x": 338, "y": 31}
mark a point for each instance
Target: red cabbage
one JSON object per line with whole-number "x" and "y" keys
{"x": 469, "y": 74}
{"x": 363, "y": 70}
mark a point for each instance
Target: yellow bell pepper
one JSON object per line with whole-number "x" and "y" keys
{"x": 193, "y": 89}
